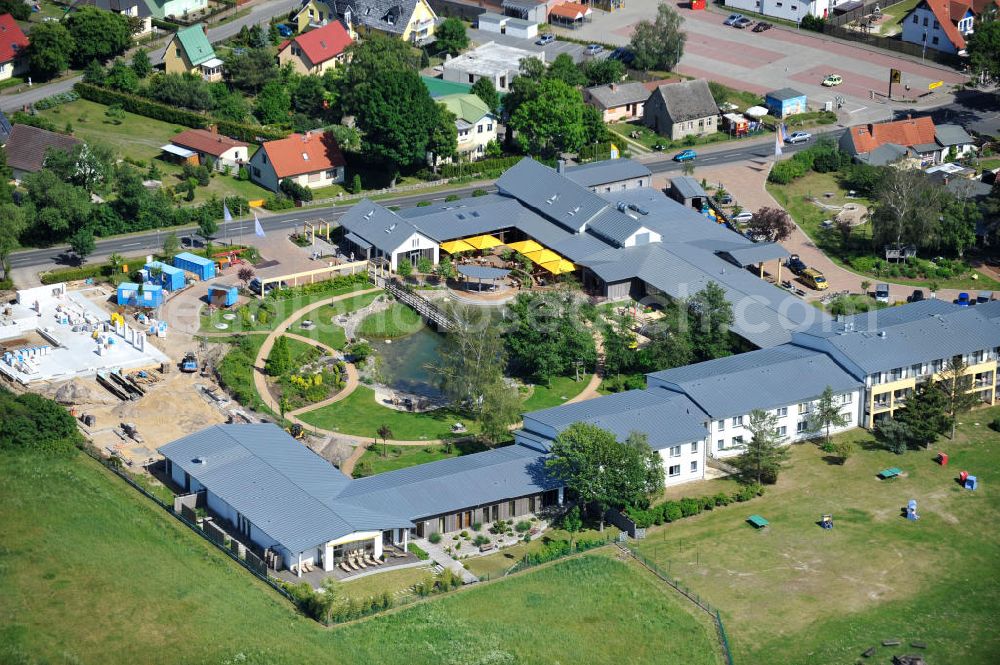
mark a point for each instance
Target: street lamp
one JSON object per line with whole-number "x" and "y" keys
{"x": 923, "y": 51}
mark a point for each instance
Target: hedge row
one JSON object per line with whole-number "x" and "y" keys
{"x": 556, "y": 549}
{"x": 671, "y": 511}
{"x": 156, "y": 110}
{"x": 484, "y": 166}
{"x": 319, "y": 287}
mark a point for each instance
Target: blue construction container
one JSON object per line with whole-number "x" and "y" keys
{"x": 151, "y": 296}
{"x": 222, "y": 295}
{"x": 204, "y": 268}
{"x": 169, "y": 277}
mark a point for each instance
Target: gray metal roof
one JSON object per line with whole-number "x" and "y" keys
{"x": 491, "y": 17}
{"x": 949, "y": 135}
{"x": 784, "y": 94}
{"x": 482, "y": 272}
{"x": 522, "y": 4}
{"x": 377, "y": 225}
{"x": 618, "y": 94}
{"x": 666, "y": 417}
{"x": 885, "y": 154}
{"x": 688, "y": 100}
{"x": 607, "y": 171}
{"x": 687, "y": 187}
{"x": 452, "y": 484}
{"x": 751, "y": 255}
{"x": 615, "y": 225}
{"x": 357, "y": 240}
{"x": 762, "y": 379}
{"x": 550, "y": 194}
{"x": 902, "y": 336}
{"x": 282, "y": 487}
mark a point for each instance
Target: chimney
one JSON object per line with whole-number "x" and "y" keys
{"x": 561, "y": 166}
{"x": 613, "y": 87}
{"x": 213, "y": 128}
{"x": 204, "y": 28}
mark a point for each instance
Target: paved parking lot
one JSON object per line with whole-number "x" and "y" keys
{"x": 779, "y": 57}
{"x": 551, "y": 50}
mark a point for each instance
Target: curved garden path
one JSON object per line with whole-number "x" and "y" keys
{"x": 590, "y": 392}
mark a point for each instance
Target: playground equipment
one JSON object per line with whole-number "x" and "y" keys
{"x": 911, "y": 510}
{"x": 826, "y": 522}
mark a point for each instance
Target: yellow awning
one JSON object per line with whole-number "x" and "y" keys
{"x": 558, "y": 267}
{"x": 525, "y": 246}
{"x": 484, "y": 242}
{"x": 543, "y": 256}
{"x": 456, "y": 246}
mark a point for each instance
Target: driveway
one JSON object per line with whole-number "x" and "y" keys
{"x": 745, "y": 181}
{"x": 780, "y": 57}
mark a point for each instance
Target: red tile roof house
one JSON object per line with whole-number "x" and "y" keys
{"x": 913, "y": 142}
{"x": 316, "y": 51}
{"x": 943, "y": 25}
{"x": 312, "y": 160}
{"x": 12, "y": 45}
{"x": 208, "y": 143}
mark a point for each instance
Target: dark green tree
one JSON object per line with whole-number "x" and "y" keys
{"x": 12, "y": 225}
{"x": 604, "y": 71}
{"x": 122, "y": 77}
{"x": 764, "y": 454}
{"x": 82, "y": 243}
{"x": 603, "y": 471}
{"x": 956, "y": 383}
{"x": 279, "y": 360}
{"x": 50, "y": 51}
{"x": 99, "y": 34}
{"x": 207, "y": 226}
{"x": 826, "y": 414}
{"x": 983, "y": 46}
{"x": 94, "y": 73}
{"x": 546, "y": 336}
{"x": 565, "y": 69}
{"x": 308, "y": 96}
{"x": 443, "y": 141}
{"x": 274, "y": 104}
{"x": 925, "y": 415}
{"x": 486, "y": 91}
{"x": 551, "y": 120}
{"x": 711, "y": 316}
{"x": 450, "y": 36}
{"x": 251, "y": 70}
{"x": 140, "y": 64}
{"x": 659, "y": 44}
{"x": 54, "y": 207}
{"x": 16, "y": 8}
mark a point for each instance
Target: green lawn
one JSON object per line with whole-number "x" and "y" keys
{"x": 325, "y": 330}
{"x": 795, "y": 593}
{"x": 398, "y": 320}
{"x": 97, "y": 574}
{"x": 560, "y": 389}
{"x": 139, "y": 138}
{"x": 809, "y": 217}
{"x": 359, "y": 414}
{"x": 391, "y": 580}
{"x": 896, "y": 13}
{"x": 282, "y": 310}
{"x": 493, "y": 566}
{"x": 400, "y": 457}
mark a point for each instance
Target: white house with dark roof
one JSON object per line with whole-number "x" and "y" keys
{"x": 618, "y": 101}
{"x": 676, "y": 110}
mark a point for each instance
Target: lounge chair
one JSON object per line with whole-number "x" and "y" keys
{"x": 351, "y": 563}
{"x": 308, "y": 566}
{"x": 372, "y": 560}
{"x": 361, "y": 562}
{"x": 344, "y": 567}
{"x": 294, "y": 569}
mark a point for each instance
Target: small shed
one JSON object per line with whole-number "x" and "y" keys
{"x": 167, "y": 276}
{"x": 785, "y": 102}
{"x": 200, "y": 266}
{"x": 129, "y": 294}
{"x": 222, "y": 295}
{"x": 687, "y": 191}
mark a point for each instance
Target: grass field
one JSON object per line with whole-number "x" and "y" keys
{"x": 97, "y": 574}
{"x": 400, "y": 457}
{"x": 560, "y": 389}
{"x": 495, "y": 565}
{"x": 361, "y": 415}
{"x": 139, "y": 138}
{"x": 809, "y": 217}
{"x": 795, "y": 593}
{"x": 325, "y": 330}
{"x": 398, "y": 320}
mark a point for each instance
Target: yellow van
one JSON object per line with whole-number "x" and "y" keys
{"x": 814, "y": 279}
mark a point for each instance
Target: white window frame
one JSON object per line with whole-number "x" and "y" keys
{"x": 674, "y": 470}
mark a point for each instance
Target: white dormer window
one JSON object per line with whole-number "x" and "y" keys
{"x": 305, "y": 157}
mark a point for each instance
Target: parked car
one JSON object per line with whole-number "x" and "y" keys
{"x": 545, "y": 38}
{"x": 658, "y": 146}
{"x": 798, "y": 137}
{"x": 832, "y": 80}
{"x": 725, "y": 199}
{"x": 795, "y": 264}
{"x": 623, "y": 55}
{"x": 742, "y": 23}
{"x": 762, "y": 26}
{"x": 255, "y": 286}
{"x": 882, "y": 293}
{"x": 593, "y": 49}
{"x": 814, "y": 279}
{"x": 962, "y": 300}
{"x": 733, "y": 18}
{"x": 984, "y": 296}
{"x": 743, "y": 217}
{"x": 285, "y": 30}
{"x": 916, "y": 296}
{"x": 686, "y": 156}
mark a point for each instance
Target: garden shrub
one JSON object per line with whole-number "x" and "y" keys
{"x": 522, "y": 526}
{"x": 434, "y": 538}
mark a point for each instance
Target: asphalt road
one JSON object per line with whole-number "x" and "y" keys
{"x": 260, "y": 13}
{"x": 152, "y": 241}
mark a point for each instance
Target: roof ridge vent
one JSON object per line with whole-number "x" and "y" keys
{"x": 883, "y": 334}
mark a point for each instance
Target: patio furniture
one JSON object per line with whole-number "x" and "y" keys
{"x": 354, "y": 566}
{"x": 344, "y": 567}
{"x": 361, "y": 562}
{"x": 891, "y": 472}
{"x": 294, "y": 569}
{"x": 757, "y": 521}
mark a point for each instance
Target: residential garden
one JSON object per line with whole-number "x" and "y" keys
{"x": 902, "y": 208}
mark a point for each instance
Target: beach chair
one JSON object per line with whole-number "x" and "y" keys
{"x": 344, "y": 567}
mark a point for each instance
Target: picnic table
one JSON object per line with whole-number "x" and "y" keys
{"x": 757, "y": 521}
{"x": 891, "y": 472}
